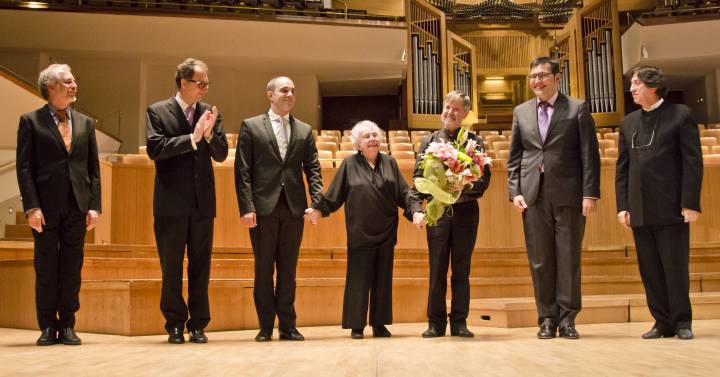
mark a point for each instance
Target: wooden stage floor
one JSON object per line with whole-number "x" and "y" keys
{"x": 605, "y": 350}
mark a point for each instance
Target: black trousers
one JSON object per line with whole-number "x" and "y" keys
{"x": 58, "y": 264}
{"x": 452, "y": 241}
{"x": 173, "y": 234}
{"x": 663, "y": 253}
{"x": 369, "y": 273}
{"x": 276, "y": 243}
{"x": 553, "y": 238}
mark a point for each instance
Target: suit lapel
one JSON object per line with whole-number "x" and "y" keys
{"x": 76, "y": 124}
{"x": 271, "y": 136}
{"x": 559, "y": 109}
{"x": 292, "y": 137}
{"x": 176, "y": 111}
{"x": 46, "y": 118}
{"x": 533, "y": 127}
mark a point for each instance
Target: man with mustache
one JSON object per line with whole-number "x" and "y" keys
{"x": 554, "y": 181}
{"x": 59, "y": 178}
{"x": 273, "y": 151}
{"x": 451, "y": 241}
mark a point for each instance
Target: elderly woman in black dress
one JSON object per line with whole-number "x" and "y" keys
{"x": 372, "y": 188}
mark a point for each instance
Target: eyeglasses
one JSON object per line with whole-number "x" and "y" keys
{"x": 540, "y": 76}
{"x": 200, "y": 84}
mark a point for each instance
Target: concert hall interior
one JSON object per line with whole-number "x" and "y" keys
{"x": 391, "y": 62}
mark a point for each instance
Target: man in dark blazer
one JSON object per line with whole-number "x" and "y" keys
{"x": 452, "y": 239}
{"x": 59, "y": 178}
{"x": 657, "y": 185}
{"x": 554, "y": 180}
{"x": 273, "y": 151}
{"x": 184, "y": 135}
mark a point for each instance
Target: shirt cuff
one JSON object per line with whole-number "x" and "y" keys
{"x": 590, "y": 197}
{"x": 31, "y": 211}
{"x": 192, "y": 141}
{"x": 93, "y": 213}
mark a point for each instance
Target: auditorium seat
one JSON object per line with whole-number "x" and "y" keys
{"x": 612, "y": 136}
{"x": 711, "y": 133}
{"x": 715, "y": 149}
{"x": 347, "y": 146}
{"x": 327, "y": 146}
{"x": 384, "y": 148}
{"x": 501, "y": 145}
{"x": 403, "y": 133}
{"x": 604, "y": 144}
{"x": 489, "y": 139}
{"x": 490, "y": 153}
{"x": 401, "y": 147}
{"x": 417, "y": 145}
{"x": 142, "y": 149}
{"x": 711, "y": 160}
{"x": 506, "y": 133}
{"x": 342, "y": 154}
{"x": 708, "y": 141}
{"x": 486, "y": 133}
{"x": 346, "y": 133}
{"x": 346, "y": 139}
{"x": 137, "y": 159}
{"x": 229, "y": 161}
{"x": 418, "y": 138}
{"x": 705, "y": 149}
{"x": 503, "y": 154}
{"x": 328, "y": 138}
{"x": 611, "y": 152}
{"x": 399, "y": 139}
{"x": 408, "y": 155}
{"x": 405, "y": 163}
{"x": 331, "y": 132}
{"x": 420, "y": 132}
{"x": 325, "y": 158}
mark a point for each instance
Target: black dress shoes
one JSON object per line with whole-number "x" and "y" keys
{"x": 68, "y": 337}
{"x": 176, "y": 336}
{"x": 48, "y": 337}
{"x": 264, "y": 335}
{"x": 547, "y": 331}
{"x": 656, "y": 333}
{"x": 356, "y": 333}
{"x": 684, "y": 334}
{"x": 198, "y": 336}
{"x": 569, "y": 332}
{"x": 460, "y": 330}
{"x": 381, "y": 332}
{"x": 291, "y": 334}
{"x": 433, "y": 332}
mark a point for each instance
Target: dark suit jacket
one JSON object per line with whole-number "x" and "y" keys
{"x": 184, "y": 178}
{"x": 45, "y": 167}
{"x": 655, "y": 183}
{"x": 570, "y": 154}
{"x": 260, "y": 172}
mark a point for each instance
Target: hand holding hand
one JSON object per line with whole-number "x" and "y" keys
{"x": 249, "y": 220}
{"x": 419, "y": 220}
{"x": 36, "y": 220}
{"x": 312, "y": 215}
{"x": 519, "y": 203}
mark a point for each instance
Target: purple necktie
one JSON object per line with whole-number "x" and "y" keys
{"x": 543, "y": 120}
{"x": 190, "y": 112}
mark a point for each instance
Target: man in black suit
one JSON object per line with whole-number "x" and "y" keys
{"x": 184, "y": 135}
{"x": 59, "y": 178}
{"x": 554, "y": 180}
{"x": 657, "y": 185}
{"x": 452, "y": 239}
{"x": 273, "y": 151}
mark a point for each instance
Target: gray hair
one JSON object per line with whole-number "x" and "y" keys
{"x": 186, "y": 69}
{"x": 51, "y": 75}
{"x": 360, "y": 127}
{"x": 652, "y": 77}
{"x": 272, "y": 84}
{"x": 458, "y": 95}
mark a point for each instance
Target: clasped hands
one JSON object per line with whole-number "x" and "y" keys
{"x": 250, "y": 219}
{"x": 204, "y": 125}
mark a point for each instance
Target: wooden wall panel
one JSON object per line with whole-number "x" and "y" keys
{"x": 500, "y": 226}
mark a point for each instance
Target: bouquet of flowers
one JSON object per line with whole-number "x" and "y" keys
{"x": 449, "y": 167}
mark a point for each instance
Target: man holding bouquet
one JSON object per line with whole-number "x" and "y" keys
{"x": 554, "y": 181}
{"x": 451, "y": 239}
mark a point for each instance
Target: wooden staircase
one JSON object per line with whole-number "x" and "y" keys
{"x": 121, "y": 287}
